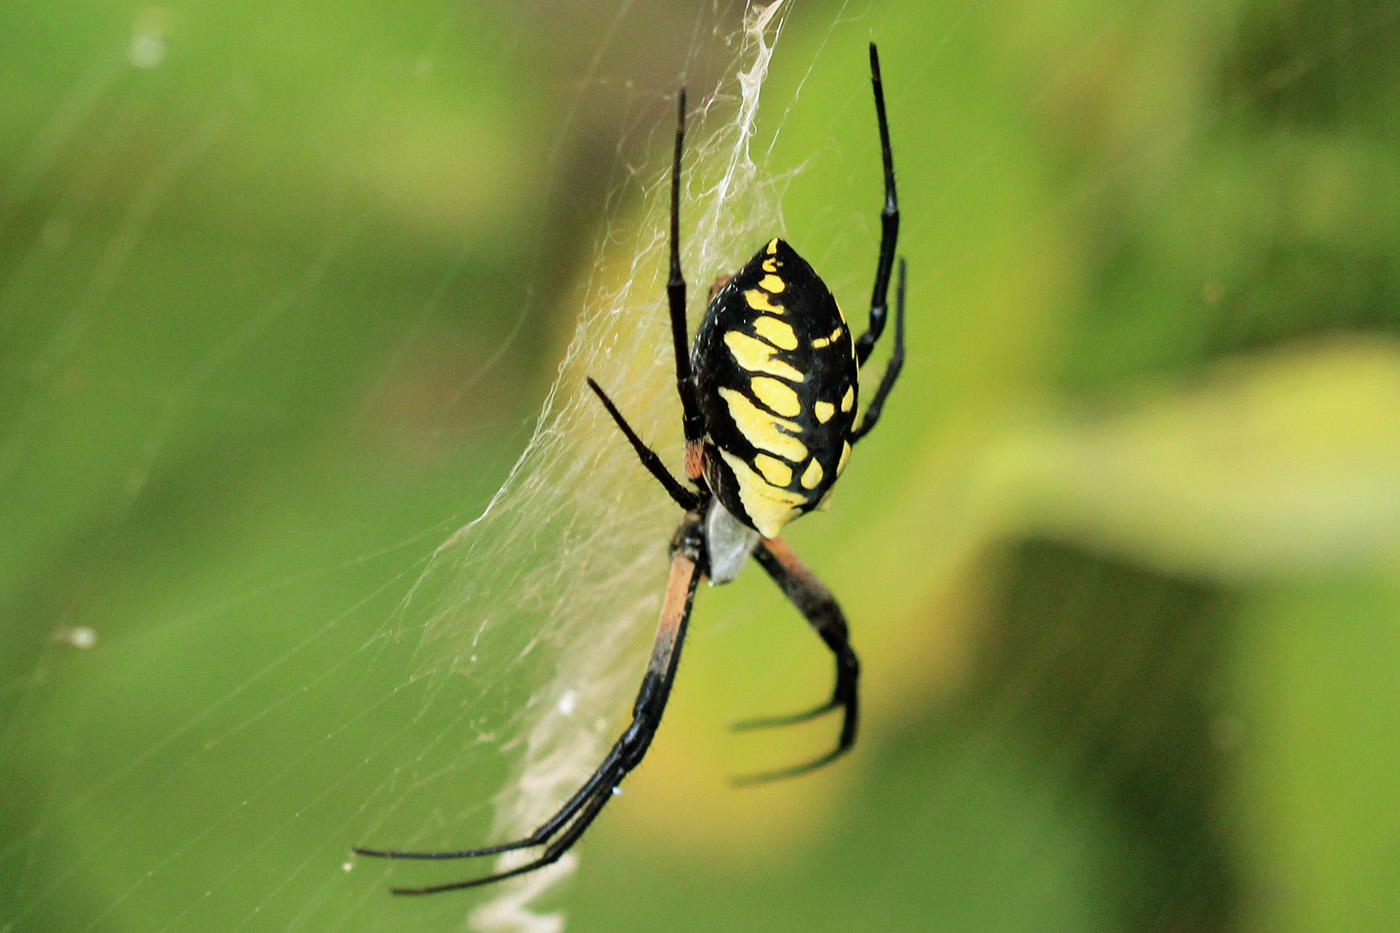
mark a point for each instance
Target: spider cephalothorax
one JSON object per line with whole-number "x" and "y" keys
{"x": 768, "y": 406}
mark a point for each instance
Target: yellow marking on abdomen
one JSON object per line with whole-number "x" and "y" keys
{"x": 774, "y": 470}
{"x": 758, "y": 300}
{"x": 827, "y": 341}
{"x": 776, "y": 395}
{"x": 849, "y": 398}
{"x": 845, "y": 455}
{"x": 771, "y": 283}
{"x": 772, "y": 247}
{"x": 770, "y": 265}
{"x": 757, "y": 357}
{"x": 779, "y": 333}
{"x": 812, "y": 476}
{"x": 769, "y": 507}
{"x": 762, "y": 429}
{"x": 823, "y": 411}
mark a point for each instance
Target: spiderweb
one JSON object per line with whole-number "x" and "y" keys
{"x": 525, "y": 621}
{"x": 554, "y": 582}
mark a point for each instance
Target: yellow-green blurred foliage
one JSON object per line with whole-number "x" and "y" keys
{"x": 282, "y": 287}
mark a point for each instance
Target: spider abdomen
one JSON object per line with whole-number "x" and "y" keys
{"x": 776, "y": 374}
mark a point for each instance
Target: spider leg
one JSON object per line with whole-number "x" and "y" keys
{"x": 563, "y": 829}
{"x": 889, "y": 222}
{"x": 685, "y": 498}
{"x": 551, "y": 854}
{"x": 896, "y": 363}
{"x": 556, "y": 849}
{"x": 692, "y": 420}
{"x": 816, "y": 603}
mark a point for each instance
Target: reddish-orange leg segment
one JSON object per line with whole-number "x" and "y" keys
{"x": 564, "y": 828}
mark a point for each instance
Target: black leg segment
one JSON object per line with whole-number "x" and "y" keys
{"x": 685, "y": 498}
{"x": 889, "y": 222}
{"x": 820, "y": 609}
{"x": 692, "y": 421}
{"x": 896, "y": 363}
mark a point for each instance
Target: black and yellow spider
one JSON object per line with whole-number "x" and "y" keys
{"x": 768, "y": 399}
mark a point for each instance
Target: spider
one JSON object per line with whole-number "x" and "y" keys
{"x": 768, "y": 400}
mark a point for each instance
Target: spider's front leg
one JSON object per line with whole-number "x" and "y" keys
{"x": 819, "y": 607}
{"x": 892, "y": 369}
{"x": 889, "y": 221}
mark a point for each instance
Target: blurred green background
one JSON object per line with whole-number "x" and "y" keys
{"x": 283, "y": 286}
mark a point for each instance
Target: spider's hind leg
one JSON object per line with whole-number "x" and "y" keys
{"x": 559, "y": 833}
{"x": 821, "y": 610}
